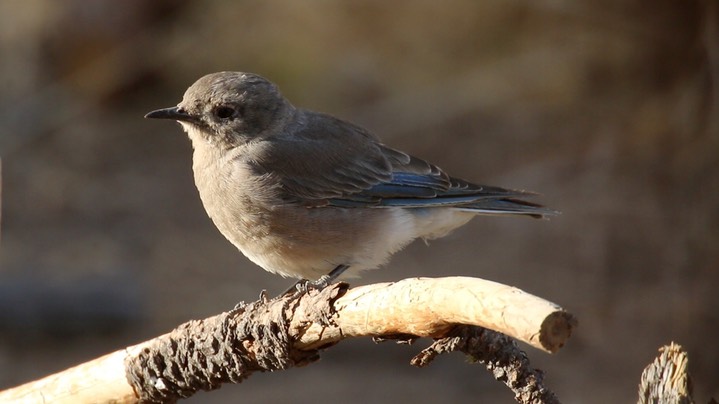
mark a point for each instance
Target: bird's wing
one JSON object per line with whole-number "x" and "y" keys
{"x": 418, "y": 184}
{"x": 329, "y": 162}
{"x": 323, "y": 158}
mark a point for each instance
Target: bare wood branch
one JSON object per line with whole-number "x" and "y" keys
{"x": 500, "y": 354}
{"x": 428, "y": 307}
{"x": 666, "y": 380}
{"x": 277, "y": 334}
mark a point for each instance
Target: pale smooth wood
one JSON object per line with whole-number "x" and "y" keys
{"x": 100, "y": 380}
{"x": 428, "y": 307}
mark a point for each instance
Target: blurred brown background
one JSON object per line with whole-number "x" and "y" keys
{"x": 609, "y": 109}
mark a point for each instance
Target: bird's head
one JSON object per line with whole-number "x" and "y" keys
{"x": 228, "y": 109}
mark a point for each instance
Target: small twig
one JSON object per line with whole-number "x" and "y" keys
{"x": 500, "y": 354}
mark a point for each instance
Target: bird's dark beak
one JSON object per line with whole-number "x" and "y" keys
{"x": 175, "y": 113}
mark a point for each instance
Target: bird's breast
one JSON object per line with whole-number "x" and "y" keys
{"x": 237, "y": 200}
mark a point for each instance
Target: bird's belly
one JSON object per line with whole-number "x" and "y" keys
{"x": 301, "y": 242}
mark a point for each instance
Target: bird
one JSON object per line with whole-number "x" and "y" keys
{"x": 306, "y": 195}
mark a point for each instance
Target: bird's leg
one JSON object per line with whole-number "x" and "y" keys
{"x": 331, "y": 277}
{"x": 320, "y": 283}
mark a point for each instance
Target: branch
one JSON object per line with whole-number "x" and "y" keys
{"x": 287, "y": 331}
{"x": 500, "y": 354}
{"x": 666, "y": 380}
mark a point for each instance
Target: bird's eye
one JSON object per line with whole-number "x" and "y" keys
{"x": 224, "y": 112}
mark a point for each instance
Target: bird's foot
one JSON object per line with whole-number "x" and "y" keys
{"x": 303, "y": 285}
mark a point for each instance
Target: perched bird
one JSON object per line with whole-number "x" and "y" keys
{"x": 304, "y": 194}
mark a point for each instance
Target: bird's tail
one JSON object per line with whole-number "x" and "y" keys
{"x": 508, "y": 206}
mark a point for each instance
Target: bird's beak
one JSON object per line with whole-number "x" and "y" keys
{"x": 175, "y": 113}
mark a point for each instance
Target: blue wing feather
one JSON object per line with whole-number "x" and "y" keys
{"x": 413, "y": 190}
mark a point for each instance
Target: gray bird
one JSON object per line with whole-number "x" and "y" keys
{"x": 304, "y": 194}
